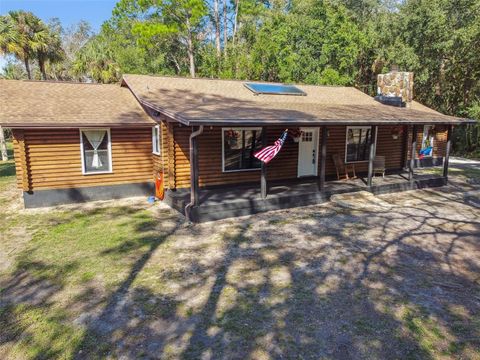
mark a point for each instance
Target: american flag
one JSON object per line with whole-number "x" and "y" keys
{"x": 268, "y": 153}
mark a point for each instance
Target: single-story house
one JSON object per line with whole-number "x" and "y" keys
{"x": 78, "y": 142}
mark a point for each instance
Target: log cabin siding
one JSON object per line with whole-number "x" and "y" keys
{"x": 283, "y": 166}
{"x": 392, "y": 149}
{"x": 53, "y": 158}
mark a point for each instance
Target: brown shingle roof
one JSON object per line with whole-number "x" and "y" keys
{"x": 62, "y": 104}
{"x": 227, "y": 102}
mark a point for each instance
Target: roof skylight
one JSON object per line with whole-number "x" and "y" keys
{"x": 274, "y": 89}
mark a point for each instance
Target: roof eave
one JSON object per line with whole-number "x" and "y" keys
{"x": 72, "y": 125}
{"x": 300, "y": 122}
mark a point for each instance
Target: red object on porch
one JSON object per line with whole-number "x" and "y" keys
{"x": 159, "y": 190}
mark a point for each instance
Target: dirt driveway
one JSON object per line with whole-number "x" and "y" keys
{"x": 387, "y": 277}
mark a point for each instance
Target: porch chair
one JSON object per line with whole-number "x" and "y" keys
{"x": 379, "y": 165}
{"x": 343, "y": 169}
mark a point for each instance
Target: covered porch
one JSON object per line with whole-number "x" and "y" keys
{"x": 226, "y": 201}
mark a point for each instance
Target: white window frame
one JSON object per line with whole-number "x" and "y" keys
{"x": 223, "y": 147}
{"x": 346, "y": 141}
{"x": 156, "y": 140}
{"x": 110, "y": 170}
{"x": 424, "y": 137}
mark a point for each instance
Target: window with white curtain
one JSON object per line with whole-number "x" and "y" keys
{"x": 96, "y": 151}
{"x": 156, "y": 140}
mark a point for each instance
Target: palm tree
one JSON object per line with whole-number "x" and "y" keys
{"x": 14, "y": 37}
{"x": 25, "y": 36}
{"x": 48, "y": 47}
{"x": 95, "y": 61}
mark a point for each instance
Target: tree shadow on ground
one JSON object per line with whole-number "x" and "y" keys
{"x": 319, "y": 282}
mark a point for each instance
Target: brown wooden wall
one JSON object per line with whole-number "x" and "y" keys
{"x": 51, "y": 158}
{"x": 284, "y": 166}
{"x": 439, "y": 143}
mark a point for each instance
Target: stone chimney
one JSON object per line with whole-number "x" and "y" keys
{"x": 395, "y": 88}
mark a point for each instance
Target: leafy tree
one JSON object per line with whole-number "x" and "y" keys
{"x": 13, "y": 70}
{"x": 177, "y": 20}
{"x": 72, "y": 40}
{"x": 316, "y": 43}
{"x": 95, "y": 61}
{"x": 49, "y": 48}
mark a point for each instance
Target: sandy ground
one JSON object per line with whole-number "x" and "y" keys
{"x": 362, "y": 277}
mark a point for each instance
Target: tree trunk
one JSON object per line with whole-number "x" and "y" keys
{"x": 225, "y": 27}
{"x": 177, "y": 65}
{"x": 216, "y": 18}
{"x": 27, "y": 68}
{"x": 235, "y": 22}
{"x": 190, "y": 49}
{"x": 41, "y": 65}
{"x": 3, "y": 145}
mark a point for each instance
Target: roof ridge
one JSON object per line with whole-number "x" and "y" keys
{"x": 238, "y": 80}
{"x": 56, "y": 82}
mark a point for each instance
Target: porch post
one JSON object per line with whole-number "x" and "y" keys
{"x": 447, "y": 151}
{"x": 371, "y": 156}
{"x": 323, "y": 158}
{"x": 413, "y": 151}
{"x": 263, "y": 178}
{"x": 405, "y": 148}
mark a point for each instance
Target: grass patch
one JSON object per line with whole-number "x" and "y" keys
{"x": 423, "y": 329}
{"x": 71, "y": 255}
{"x": 469, "y": 173}
{"x": 103, "y": 242}
{"x": 37, "y": 333}
{"x": 7, "y": 172}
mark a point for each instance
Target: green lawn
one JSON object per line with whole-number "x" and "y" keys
{"x": 469, "y": 173}
{"x": 73, "y": 253}
{"x": 102, "y": 281}
{"x": 7, "y": 169}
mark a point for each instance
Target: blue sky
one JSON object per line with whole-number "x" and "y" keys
{"x": 68, "y": 11}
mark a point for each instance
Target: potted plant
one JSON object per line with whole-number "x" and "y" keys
{"x": 232, "y": 137}
{"x": 397, "y": 132}
{"x": 295, "y": 134}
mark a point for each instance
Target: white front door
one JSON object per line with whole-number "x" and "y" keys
{"x": 307, "y": 152}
